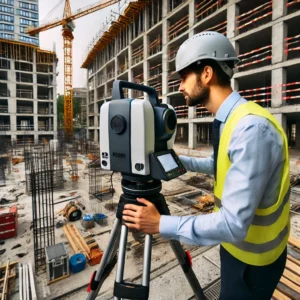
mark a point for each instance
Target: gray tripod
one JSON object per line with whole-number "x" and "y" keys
{"x": 125, "y": 290}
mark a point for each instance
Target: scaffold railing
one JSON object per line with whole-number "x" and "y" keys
{"x": 254, "y": 17}
{"x": 255, "y": 58}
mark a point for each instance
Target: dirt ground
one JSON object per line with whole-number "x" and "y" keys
{"x": 167, "y": 280}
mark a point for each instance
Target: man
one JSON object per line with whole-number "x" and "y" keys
{"x": 251, "y": 167}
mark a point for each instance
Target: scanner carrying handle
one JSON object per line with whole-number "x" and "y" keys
{"x": 119, "y": 85}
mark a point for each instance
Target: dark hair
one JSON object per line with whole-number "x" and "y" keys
{"x": 222, "y": 77}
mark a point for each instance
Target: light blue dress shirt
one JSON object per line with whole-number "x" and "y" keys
{"x": 253, "y": 181}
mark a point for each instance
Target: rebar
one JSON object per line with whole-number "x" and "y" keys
{"x": 40, "y": 162}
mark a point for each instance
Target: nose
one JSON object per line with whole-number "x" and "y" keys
{"x": 181, "y": 87}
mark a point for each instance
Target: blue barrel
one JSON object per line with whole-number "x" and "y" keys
{"x": 77, "y": 263}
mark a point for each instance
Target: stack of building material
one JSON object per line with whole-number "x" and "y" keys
{"x": 7, "y": 279}
{"x": 26, "y": 282}
{"x": 86, "y": 246}
{"x": 289, "y": 285}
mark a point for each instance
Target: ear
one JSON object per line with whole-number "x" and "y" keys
{"x": 207, "y": 75}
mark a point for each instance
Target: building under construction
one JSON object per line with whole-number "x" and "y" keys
{"x": 27, "y": 93}
{"x": 141, "y": 45}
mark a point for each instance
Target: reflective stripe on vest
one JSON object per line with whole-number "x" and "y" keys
{"x": 268, "y": 233}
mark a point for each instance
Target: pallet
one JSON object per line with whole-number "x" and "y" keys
{"x": 289, "y": 285}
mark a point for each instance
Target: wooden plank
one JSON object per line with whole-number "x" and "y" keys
{"x": 288, "y": 291}
{"x": 280, "y": 296}
{"x": 11, "y": 265}
{"x": 292, "y": 267}
{"x": 70, "y": 238}
{"x": 78, "y": 241}
{"x": 291, "y": 276}
{"x": 81, "y": 240}
{"x": 294, "y": 242}
{"x": 5, "y": 287}
{"x": 293, "y": 259}
{"x": 290, "y": 284}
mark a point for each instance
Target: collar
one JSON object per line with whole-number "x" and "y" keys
{"x": 226, "y": 107}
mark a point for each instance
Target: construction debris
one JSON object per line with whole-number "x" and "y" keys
{"x": 201, "y": 181}
{"x": 7, "y": 279}
{"x": 86, "y": 246}
{"x": 205, "y": 203}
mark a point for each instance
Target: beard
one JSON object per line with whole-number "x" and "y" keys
{"x": 200, "y": 95}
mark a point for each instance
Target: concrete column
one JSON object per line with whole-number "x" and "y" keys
{"x": 278, "y": 79}
{"x": 96, "y": 117}
{"x": 146, "y": 63}
{"x": 165, "y": 59}
{"x": 34, "y": 62}
{"x": 35, "y": 123}
{"x": 279, "y": 34}
{"x": 192, "y": 135}
{"x": 192, "y": 17}
{"x": 13, "y": 122}
{"x": 116, "y": 67}
{"x": 282, "y": 120}
{"x": 232, "y": 13}
{"x": 146, "y": 18}
{"x": 234, "y": 84}
{"x": 279, "y": 9}
{"x": 54, "y": 103}
{"x": 297, "y": 134}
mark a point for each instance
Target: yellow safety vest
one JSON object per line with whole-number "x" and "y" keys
{"x": 268, "y": 233}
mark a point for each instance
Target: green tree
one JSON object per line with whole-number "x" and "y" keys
{"x": 60, "y": 110}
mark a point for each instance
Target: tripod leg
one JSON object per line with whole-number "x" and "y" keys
{"x": 147, "y": 260}
{"x": 187, "y": 269}
{"x": 122, "y": 253}
{"x": 107, "y": 259}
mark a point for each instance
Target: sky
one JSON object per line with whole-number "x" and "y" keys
{"x": 85, "y": 30}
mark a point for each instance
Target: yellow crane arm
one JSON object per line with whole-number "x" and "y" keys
{"x": 75, "y": 15}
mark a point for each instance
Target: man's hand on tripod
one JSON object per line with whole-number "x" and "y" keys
{"x": 143, "y": 218}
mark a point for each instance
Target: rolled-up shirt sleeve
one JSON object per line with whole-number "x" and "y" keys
{"x": 255, "y": 152}
{"x": 201, "y": 165}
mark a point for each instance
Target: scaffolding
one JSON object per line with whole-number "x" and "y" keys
{"x": 110, "y": 31}
{"x": 181, "y": 111}
{"x": 204, "y": 8}
{"x": 255, "y": 58}
{"x": 292, "y": 46}
{"x": 155, "y": 46}
{"x": 254, "y": 18}
{"x": 137, "y": 54}
{"x": 178, "y": 27}
{"x": 291, "y": 93}
{"x": 261, "y": 95}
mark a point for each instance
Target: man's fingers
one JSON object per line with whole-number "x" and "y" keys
{"x": 128, "y": 219}
{"x": 129, "y": 213}
{"x": 131, "y": 226}
{"x": 132, "y": 207}
{"x": 144, "y": 201}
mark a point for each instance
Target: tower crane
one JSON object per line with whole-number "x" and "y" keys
{"x": 68, "y": 28}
